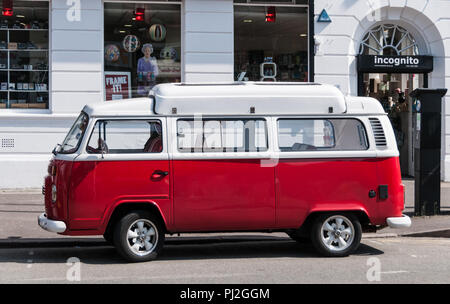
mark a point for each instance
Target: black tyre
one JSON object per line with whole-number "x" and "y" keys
{"x": 139, "y": 236}
{"x": 336, "y": 235}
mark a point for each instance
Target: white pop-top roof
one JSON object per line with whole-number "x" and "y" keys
{"x": 248, "y": 97}
{"x": 239, "y": 99}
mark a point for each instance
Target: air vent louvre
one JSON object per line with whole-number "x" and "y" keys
{"x": 378, "y": 132}
{"x": 7, "y": 142}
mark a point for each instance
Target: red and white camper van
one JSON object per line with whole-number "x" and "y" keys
{"x": 299, "y": 158}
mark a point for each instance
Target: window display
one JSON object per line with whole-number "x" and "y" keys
{"x": 143, "y": 41}
{"x": 24, "y": 56}
{"x": 271, "y": 43}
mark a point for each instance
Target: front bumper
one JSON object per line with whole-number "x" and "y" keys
{"x": 51, "y": 225}
{"x": 403, "y": 221}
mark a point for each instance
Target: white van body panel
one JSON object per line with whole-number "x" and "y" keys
{"x": 269, "y": 100}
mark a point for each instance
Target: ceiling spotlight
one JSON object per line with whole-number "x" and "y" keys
{"x": 139, "y": 14}
{"x": 271, "y": 14}
{"x": 7, "y": 8}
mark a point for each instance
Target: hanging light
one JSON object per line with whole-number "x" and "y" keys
{"x": 271, "y": 14}
{"x": 7, "y": 8}
{"x": 139, "y": 14}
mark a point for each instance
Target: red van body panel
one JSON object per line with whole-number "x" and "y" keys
{"x": 61, "y": 178}
{"x": 305, "y": 186}
{"x": 223, "y": 195}
{"x": 388, "y": 173}
{"x": 97, "y": 187}
{"x": 219, "y": 195}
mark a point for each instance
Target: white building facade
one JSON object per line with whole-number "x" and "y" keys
{"x": 89, "y": 51}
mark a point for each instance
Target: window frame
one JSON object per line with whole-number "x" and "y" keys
{"x": 48, "y": 108}
{"x": 136, "y": 2}
{"x": 94, "y": 123}
{"x": 322, "y": 149}
{"x": 177, "y": 150}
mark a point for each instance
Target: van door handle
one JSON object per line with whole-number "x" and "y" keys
{"x": 159, "y": 174}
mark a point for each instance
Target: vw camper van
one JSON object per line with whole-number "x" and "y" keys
{"x": 298, "y": 158}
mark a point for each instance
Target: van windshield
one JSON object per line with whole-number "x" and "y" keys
{"x": 73, "y": 138}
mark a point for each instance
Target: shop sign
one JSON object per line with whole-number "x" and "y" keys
{"x": 395, "y": 64}
{"x": 117, "y": 85}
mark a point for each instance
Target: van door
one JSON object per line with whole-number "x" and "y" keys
{"x": 220, "y": 181}
{"x": 126, "y": 161}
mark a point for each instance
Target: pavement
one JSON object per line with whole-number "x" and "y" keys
{"x": 19, "y": 209}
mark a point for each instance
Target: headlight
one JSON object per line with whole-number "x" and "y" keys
{"x": 53, "y": 194}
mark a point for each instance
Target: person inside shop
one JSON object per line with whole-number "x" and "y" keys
{"x": 147, "y": 70}
{"x": 401, "y": 100}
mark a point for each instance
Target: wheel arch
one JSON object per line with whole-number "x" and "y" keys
{"x": 360, "y": 213}
{"x": 124, "y": 208}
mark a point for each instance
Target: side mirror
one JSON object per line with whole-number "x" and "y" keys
{"x": 56, "y": 149}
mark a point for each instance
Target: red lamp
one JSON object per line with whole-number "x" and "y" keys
{"x": 7, "y": 8}
{"x": 271, "y": 14}
{"x": 139, "y": 14}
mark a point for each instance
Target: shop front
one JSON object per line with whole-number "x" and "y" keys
{"x": 272, "y": 41}
{"x": 389, "y": 68}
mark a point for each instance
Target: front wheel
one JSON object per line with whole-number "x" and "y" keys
{"x": 139, "y": 236}
{"x": 336, "y": 235}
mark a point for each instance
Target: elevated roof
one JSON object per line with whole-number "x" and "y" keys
{"x": 124, "y": 107}
{"x": 241, "y": 97}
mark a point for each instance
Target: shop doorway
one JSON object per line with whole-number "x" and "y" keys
{"x": 392, "y": 91}
{"x": 390, "y": 66}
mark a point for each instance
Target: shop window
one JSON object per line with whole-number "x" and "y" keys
{"x": 142, "y": 48}
{"x": 24, "y": 56}
{"x": 271, "y": 42}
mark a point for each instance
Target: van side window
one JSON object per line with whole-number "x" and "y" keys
{"x": 321, "y": 134}
{"x": 229, "y": 135}
{"x": 125, "y": 136}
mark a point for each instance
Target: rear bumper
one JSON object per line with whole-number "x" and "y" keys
{"x": 51, "y": 225}
{"x": 403, "y": 221}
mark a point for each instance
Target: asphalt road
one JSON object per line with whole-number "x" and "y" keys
{"x": 266, "y": 259}
{"x": 245, "y": 258}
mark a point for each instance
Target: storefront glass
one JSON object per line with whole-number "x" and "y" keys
{"x": 271, "y": 42}
{"x": 24, "y": 55}
{"x": 142, "y": 48}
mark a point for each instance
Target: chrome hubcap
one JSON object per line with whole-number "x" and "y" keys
{"x": 142, "y": 237}
{"x": 337, "y": 233}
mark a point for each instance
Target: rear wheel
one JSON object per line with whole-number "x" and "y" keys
{"x": 336, "y": 235}
{"x": 139, "y": 236}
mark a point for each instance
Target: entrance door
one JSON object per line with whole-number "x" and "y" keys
{"x": 392, "y": 90}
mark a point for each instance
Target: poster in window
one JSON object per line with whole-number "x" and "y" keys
{"x": 117, "y": 85}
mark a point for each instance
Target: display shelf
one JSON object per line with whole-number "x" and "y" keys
{"x": 25, "y": 91}
{"x": 10, "y": 58}
{"x": 25, "y": 30}
{"x": 24, "y": 50}
{"x": 19, "y": 70}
